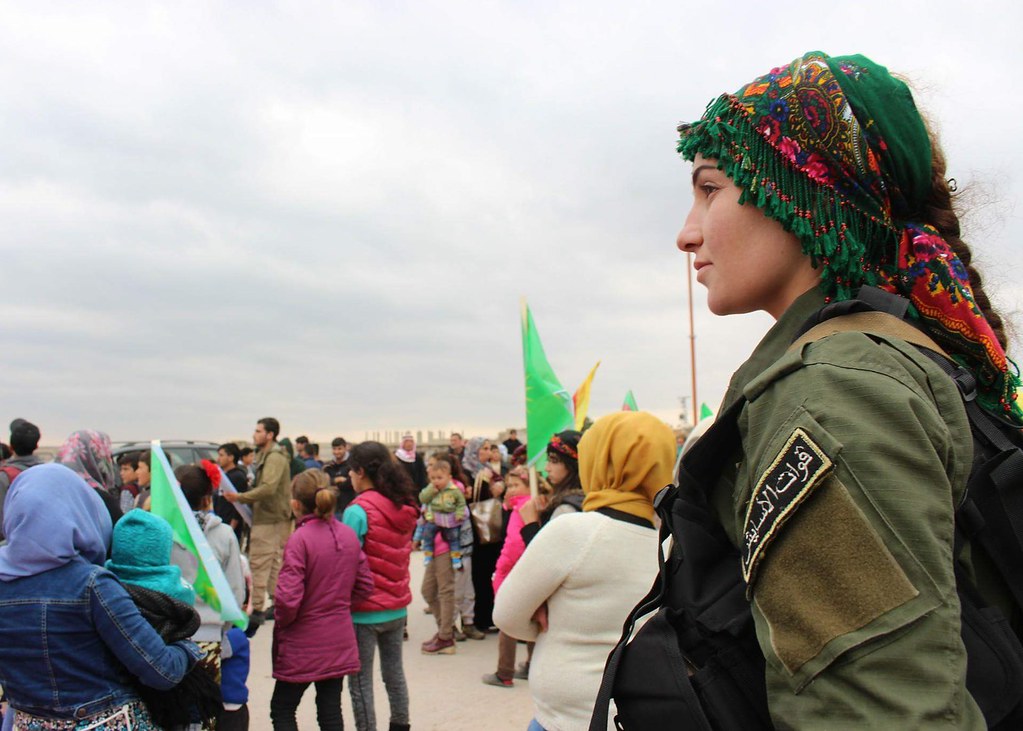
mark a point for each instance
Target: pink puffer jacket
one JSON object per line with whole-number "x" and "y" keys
{"x": 514, "y": 546}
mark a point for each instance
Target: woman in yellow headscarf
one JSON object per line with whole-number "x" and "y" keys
{"x": 583, "y": 573}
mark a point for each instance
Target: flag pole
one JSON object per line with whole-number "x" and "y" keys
{"x": 692, "y": 329}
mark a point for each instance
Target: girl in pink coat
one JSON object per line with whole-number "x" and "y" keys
{"x": 323, "y": 572}
{"x": 516, "y": 493}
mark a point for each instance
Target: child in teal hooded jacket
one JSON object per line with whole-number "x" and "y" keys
{"x": 141, "y": 554}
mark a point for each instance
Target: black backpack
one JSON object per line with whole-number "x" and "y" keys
{"x": 696, "y": 663}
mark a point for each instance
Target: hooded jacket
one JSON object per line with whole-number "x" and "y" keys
{"x": 225, "y": 547}
{"x": 324, "y": 570}
{"x": 141, "y": 555}
{"x": 388, "y": 544}
{"x": 514, "y": 545}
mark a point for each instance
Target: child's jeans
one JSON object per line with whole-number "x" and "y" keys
{"x": 430, "y": 531}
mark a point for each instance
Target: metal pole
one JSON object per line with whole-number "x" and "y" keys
{"x": 692, "y": 333}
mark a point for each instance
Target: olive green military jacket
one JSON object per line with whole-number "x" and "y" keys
{"x": 270, "y": 497}
{"x": 855, "y": 451}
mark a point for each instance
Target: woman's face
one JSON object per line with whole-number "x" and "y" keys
{"x": 359, "y": 481}
{"x": 484, "y": 454}
{"x": 557, "y": 472}
{"x": 747, "y": 261}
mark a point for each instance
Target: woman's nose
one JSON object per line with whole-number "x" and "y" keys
{"x": 690, "y": 238}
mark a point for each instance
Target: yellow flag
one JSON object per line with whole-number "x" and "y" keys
{"x": 581, "y": 399}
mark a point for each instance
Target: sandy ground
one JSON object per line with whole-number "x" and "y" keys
{"x": 445, "y": 690}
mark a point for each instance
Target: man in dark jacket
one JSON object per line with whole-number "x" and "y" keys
{"x": 228, "y": 455}
{"x": 337, "y": 470}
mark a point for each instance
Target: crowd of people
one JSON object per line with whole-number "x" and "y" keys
{"x": 324, "y": 552}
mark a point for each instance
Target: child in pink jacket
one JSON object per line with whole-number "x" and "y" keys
{"x": 516, "y": 493}
{"x": 323, "y": 572}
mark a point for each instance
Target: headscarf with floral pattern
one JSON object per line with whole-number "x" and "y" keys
{"x": 835, "y": 150}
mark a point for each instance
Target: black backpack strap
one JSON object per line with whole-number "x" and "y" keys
{"x": 649, "y": 603}
{"x": 993, "y": 504}
{"x": 868, "y": 299}
{"x": 708, "y": 447}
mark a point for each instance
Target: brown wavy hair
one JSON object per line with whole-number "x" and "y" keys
{"x": 938, "y": 210}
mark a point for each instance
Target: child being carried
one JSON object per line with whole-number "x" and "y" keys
{"x": 445, "y": 509}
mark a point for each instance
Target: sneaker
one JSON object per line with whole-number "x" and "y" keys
{"x": 471, "y": 632}
{"x": 496, "y": 680}
{"x": 438, "y": 646}
{"x": 459, "y": 635}
{"x": 522, "y": 671}
{"x": 456, "y": 564}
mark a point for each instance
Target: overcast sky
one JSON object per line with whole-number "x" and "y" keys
{"x": 213, "y": 212}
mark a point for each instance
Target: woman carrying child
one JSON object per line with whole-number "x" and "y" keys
{"x": 465, "y": 595}
{"x": 488, "y": 482}
{"x": 383, "y": 515}
{"x": 141, "y": 557}
{"x": 322, "y": 573}
{"x": 444, "y": 510}
{"x": 76, "y": 668}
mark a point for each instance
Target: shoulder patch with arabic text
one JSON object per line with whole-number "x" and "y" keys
{"x": 793, "y": 474}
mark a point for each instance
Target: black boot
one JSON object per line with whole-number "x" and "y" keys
{"x": 398, "y": 727}
{"x": 255, "y": 619}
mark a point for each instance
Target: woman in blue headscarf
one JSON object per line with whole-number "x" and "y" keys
{"x": 70, "y": 635}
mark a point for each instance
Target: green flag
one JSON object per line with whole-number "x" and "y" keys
{"x": 548, "y": 404}
{"x": 705, "y": 411}
{"x": 169, "y": 503}
{"x": 629, "y": 404}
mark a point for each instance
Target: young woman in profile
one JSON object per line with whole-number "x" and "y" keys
{"x": 810, "y": 182}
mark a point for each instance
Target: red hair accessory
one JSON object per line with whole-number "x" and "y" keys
{"x": 213, "y": 472}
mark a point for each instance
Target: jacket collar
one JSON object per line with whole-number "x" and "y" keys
{"x": 774, "y": 344}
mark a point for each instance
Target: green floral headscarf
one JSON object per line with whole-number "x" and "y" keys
{"x": 835, "y": 150}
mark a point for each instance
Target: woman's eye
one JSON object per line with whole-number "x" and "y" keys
{"x": 708, "y": 188}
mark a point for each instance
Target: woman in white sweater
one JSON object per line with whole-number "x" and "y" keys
{"x": 580, "y": 577}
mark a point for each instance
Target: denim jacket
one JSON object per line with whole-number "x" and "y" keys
{"x": 71, "y": 640}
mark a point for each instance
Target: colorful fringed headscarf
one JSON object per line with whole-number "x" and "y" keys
{"x": 836, "y": 151}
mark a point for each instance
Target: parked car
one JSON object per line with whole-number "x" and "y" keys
{"x": 178, "y": 451}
